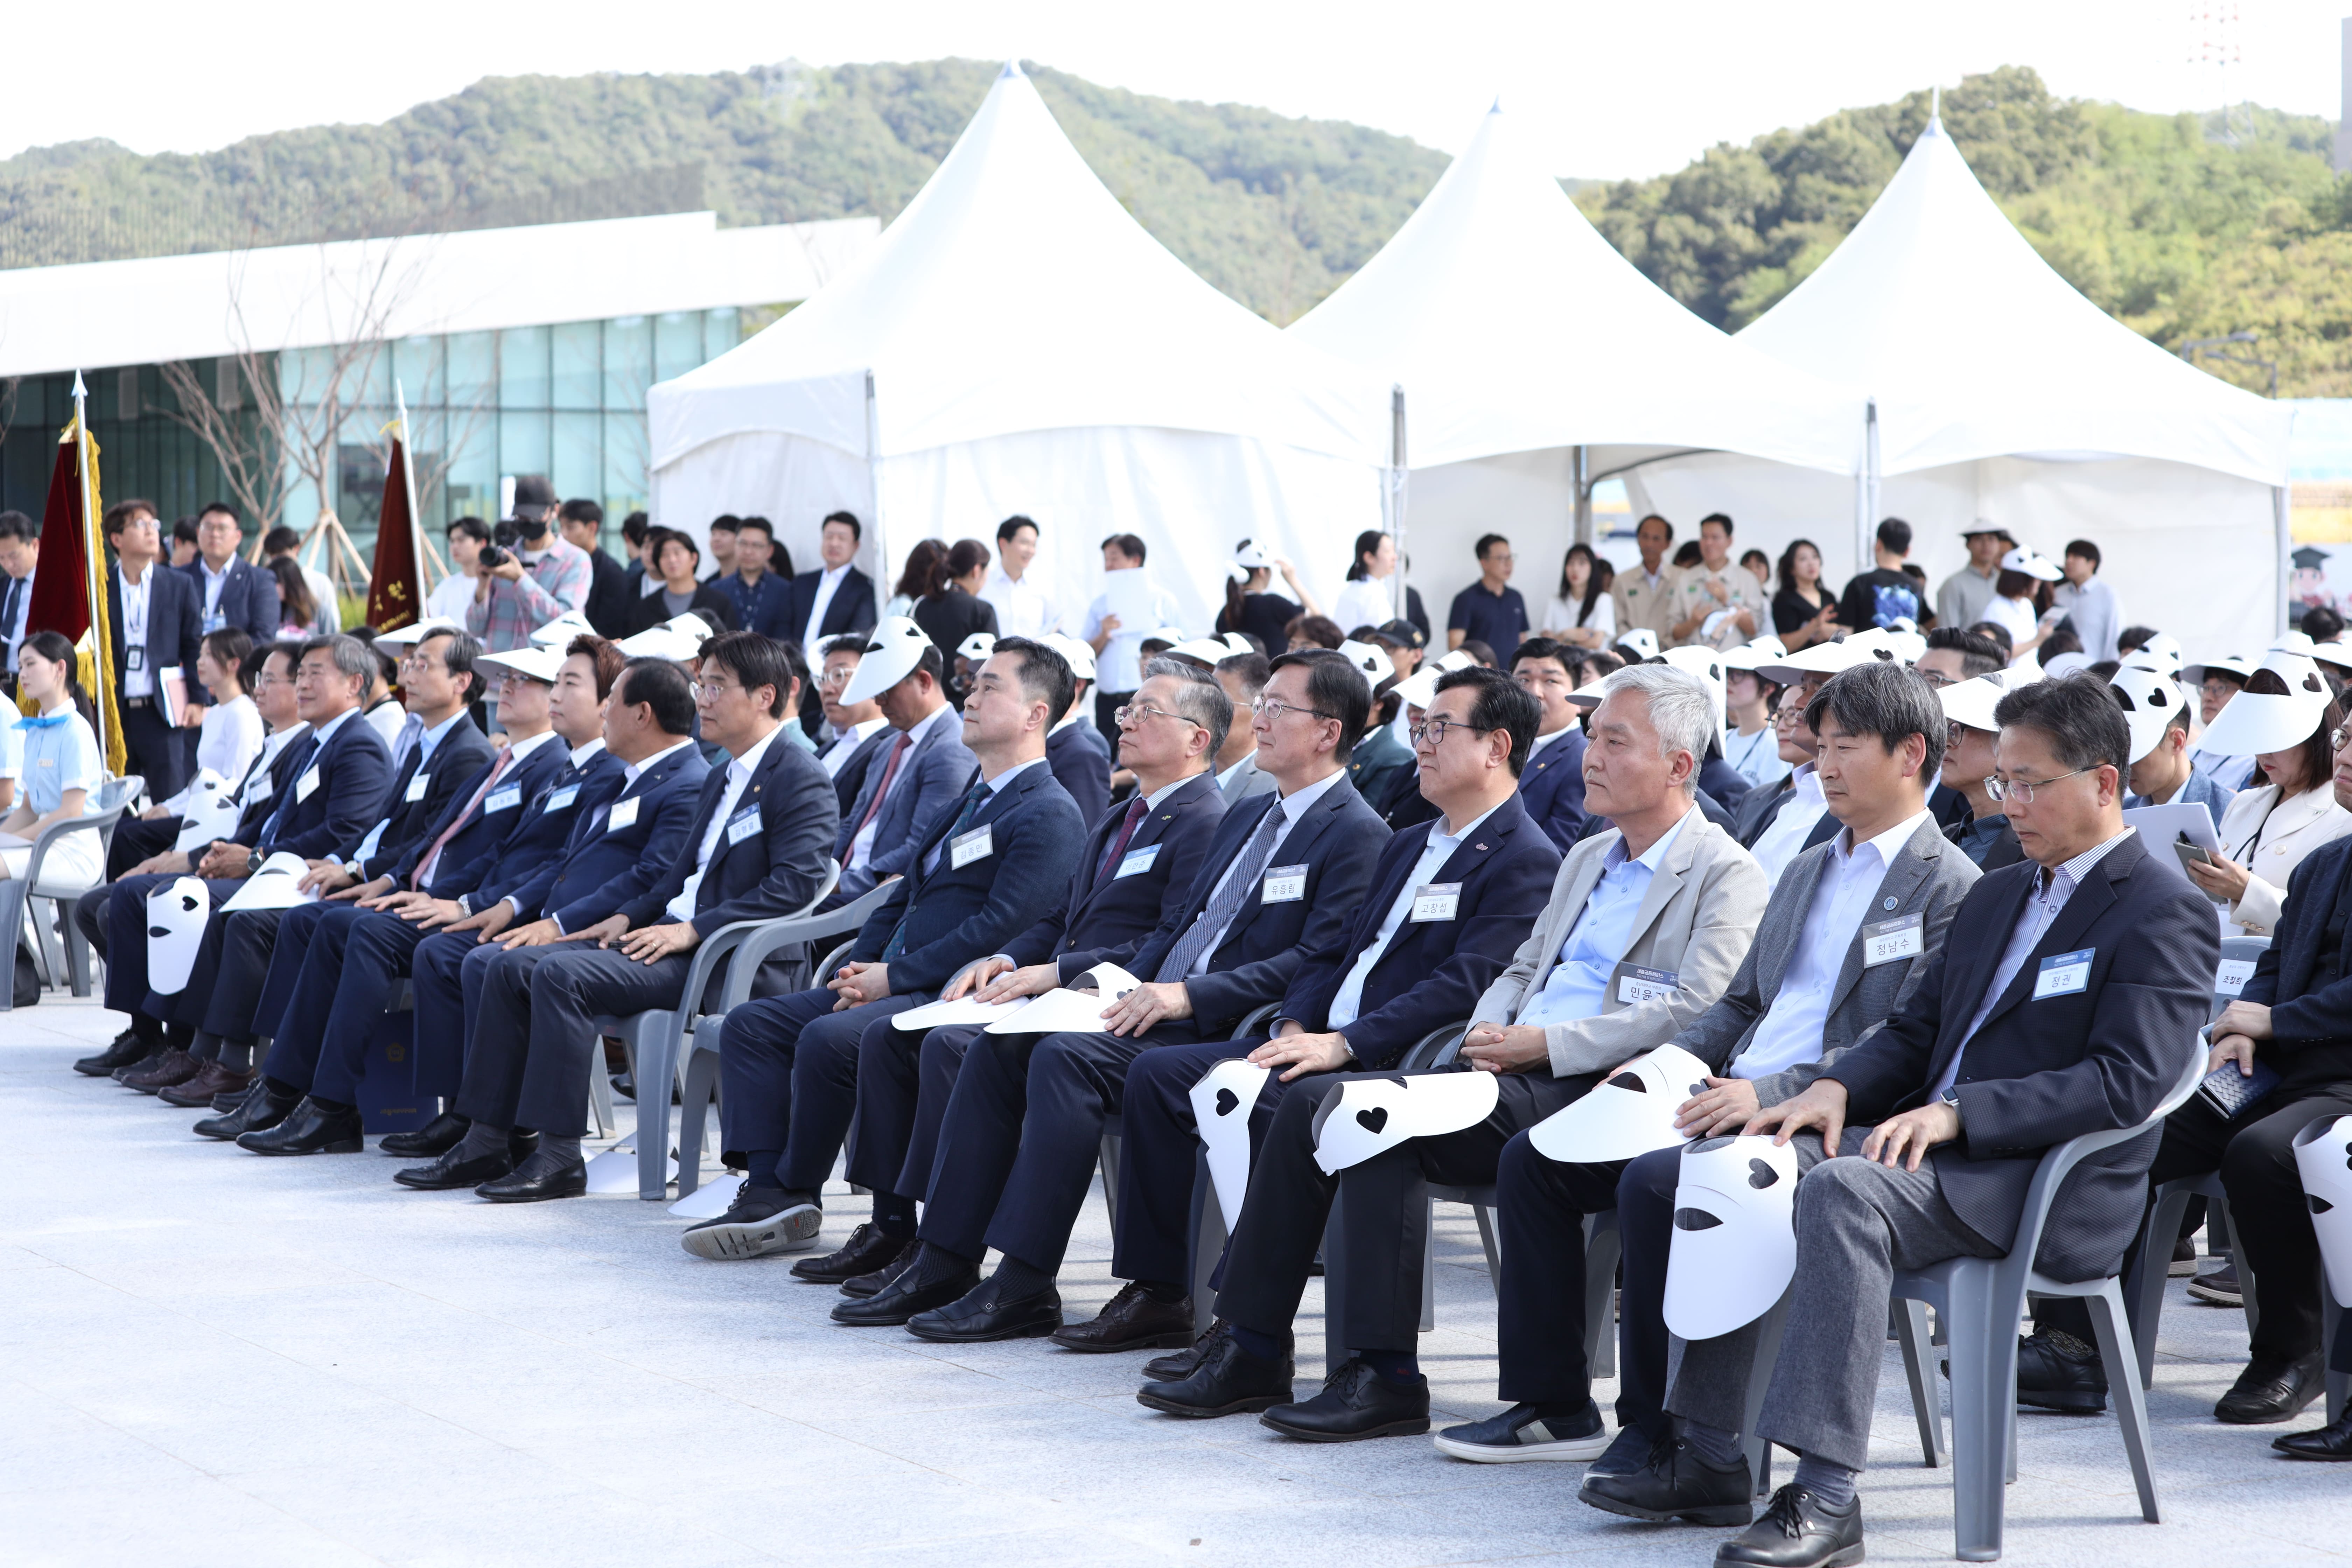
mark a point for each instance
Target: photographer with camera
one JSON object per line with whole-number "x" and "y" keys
{"x": 528, "y": 574}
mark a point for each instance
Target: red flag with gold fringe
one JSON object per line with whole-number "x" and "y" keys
{"x": 395, "y": 586}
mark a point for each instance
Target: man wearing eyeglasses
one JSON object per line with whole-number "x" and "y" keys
{"x": 2063, "y": 1003}
{"x": 1490, "y": 610}
{"x": 1136, "y": 858}
{"x": 861, "y": 731}
{"x": 1551, "y": 785}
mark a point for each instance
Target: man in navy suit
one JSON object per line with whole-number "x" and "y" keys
{"x": 909, "y": 788}
{"x": 836, "y": 597}
{"x": 602, "y": 864}
{"x": 978, "y": 878}
{"x": 2065, "y": 1001}
{"x": 861, "y": 731}
{"x": 230, "y": 592}
{"x": 1552, "y": 787}
{"x": 1285, "y": 871}
{"x": 155, "y": 624}
{"x": 325, "y": 994}
{"x": 755, "y": 851}
{"x": 1075, "y": 747}
{"x": 1136, "y": 858}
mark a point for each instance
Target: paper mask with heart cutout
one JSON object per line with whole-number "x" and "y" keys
{"x": 941, "y": 1014}
{"x": 1070, "y": 1009}
{"x": 1222, "y": 1102}
{"x": 211, "y": 812}
{"x": 273, "y": 887}
{"x": 177, "y": 912}
{"x": 1734, "y": 1248}
{"x": 1368, "y": 1116}
{"x": 1626, "y": 1115}
{"x": 2322, "y": 1156}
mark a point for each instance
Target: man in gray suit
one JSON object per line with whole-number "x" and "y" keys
{"x": 1846, "y": 936}
{"x": 910, "y": 787}
{"x": 2065, "y": 1001}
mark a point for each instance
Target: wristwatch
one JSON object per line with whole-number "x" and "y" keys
{"x": 352, "y": 870}
{"x": 252, "y": 861}
{"x": 1952, "y": 1097}
{"x": 464, "y": 906}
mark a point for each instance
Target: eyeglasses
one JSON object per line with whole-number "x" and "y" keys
{"x": 1143, "y": 713}
{"x": 1936, "y": 682}
{"x": 1272, "y": 709}
{"x": 1434, "y": 731}
{"x": 2022, "y": 790}
{"x": 2336, "y": 739}
{"x": 833, "y": 678}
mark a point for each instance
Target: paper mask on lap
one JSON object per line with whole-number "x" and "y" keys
{"x": 1734, "y": 1248}
{"x": 1222, "y": 1102}
{"x": 1629, "y": 1115}
{"x": 211, "y": 813}
{"x": 273, "y": 886}
{"x": 1069, "y": 1008}
{"x": 942, "y": 1014}
{"x": 1370, "y": 1116}
{"x": 177, "y": 912}
{"x": 2322, "y": 1156}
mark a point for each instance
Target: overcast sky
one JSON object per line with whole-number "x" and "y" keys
{"x": 1609, "y": 90}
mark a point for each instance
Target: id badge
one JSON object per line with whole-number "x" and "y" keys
{"x": 966, "y": 847}
{"x": 504, "y": 799}
{"x": 622, "y": 815}
{"x": 305, "y": 784}
{"x": 1283, "y": 885}
{"x": 260, "y": 790}
{"x": 2231, "y": 978}
{"x": 416, "y": 787}
{"x": 2063, "y": 973}
{"x": 746, "y": 824}
{"x": 1134, "y": 862}
{"x": 1437, "y": 901}
{"x": 1887, "y": 941}
{"x": 1635, "y": 985}
{"x": 560, "y": 798}
{"x": 134, "y": 659}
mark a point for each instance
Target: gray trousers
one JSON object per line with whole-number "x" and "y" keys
{"x": 1857, "y": 1222}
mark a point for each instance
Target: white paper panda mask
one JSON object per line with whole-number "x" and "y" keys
{"x": 1734, "y": 1248}
{"x": 2322, "y": 1156}
{"x": 1627, "y": 1116}
{"x": 1222, "y": 1102}
{"x": 1370, "y": 1116}
{"x": 1067, "y": 1008}
{"x": 177, "y": 912}
{"x": 210, "y": 811}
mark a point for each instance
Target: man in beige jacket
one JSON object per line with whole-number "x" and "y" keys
{"x": 1647, "y": 594}
{"x": 1647, "y": 925}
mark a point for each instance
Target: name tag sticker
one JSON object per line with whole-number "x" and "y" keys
{"x": 558, "y": 799}
{"x": 2063, "y": 973}
{"x": 1436, "y": 900}
{"x": 1136, "y": 861}
{"x": 1636, "y": 985}
{"x": 2231, "y": 977}
{"x": 260, "y": 790}
{"x": 746, "y": 823}
{"x": 134, "y": 659}
{"x": 305, "y": 784}
{"x": 1887, "y": 941}
{"x": 966, "y": 847}
{"x": 44, "y": 762}
{"x": 622, "y": 815}
{"x": 1283, "y": 885}
{"x": 504, "y": 799}
{"x": 416, "y": 786}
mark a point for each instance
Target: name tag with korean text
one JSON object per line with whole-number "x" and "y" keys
{"x": 1136, "y": 861}
{"x": 1635, "y": 985}
{"x": 305, "y": 784}
{"x": 2231, "y": 976}
{"x": 1883, "y": 941}
{"x": 1283, "y": 885}
{"x": 504, "y": 799}
{"x": 744, "y": 824}
{"x": 1437, "y": 901}
{"x": 966, "y": 847}
{"x": 622, "y": 815}
{"x": 2063, "y": 973}
{"x": 558, "y": 799}
{"x": 416, "y": 787}
{"x": 260, "y": 790}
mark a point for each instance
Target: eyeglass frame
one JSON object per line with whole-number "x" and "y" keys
{"x": 1273, "y": 707}
{"x": 1443, "y": 724}
{"x": 2022, "y": 790}
{"x": 1143, "y": 710}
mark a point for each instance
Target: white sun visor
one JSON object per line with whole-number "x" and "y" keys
{"x": 178, "y": 914}
{"x": 2322, "y": 1156}
{"x": 2148, "y": 697}
{"x": 891, "y": 656}
{"x": 2255, "y": 722}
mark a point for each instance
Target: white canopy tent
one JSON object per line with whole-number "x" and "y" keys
{"x": 1016, "y": 342}
{"x": 2000, "y": 391}
{"x": 1537, "y": 361}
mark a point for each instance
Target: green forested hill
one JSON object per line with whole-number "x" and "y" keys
{"x": 2179, "y": 226}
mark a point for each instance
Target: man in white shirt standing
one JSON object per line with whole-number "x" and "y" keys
{"x": 1119, "y": 647}
{"x": 1026, "y": 605}
{"x": 2090, "y": 604}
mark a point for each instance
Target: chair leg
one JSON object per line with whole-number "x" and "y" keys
{"x": 1601, "y": 1251}
{"x": 2131, "y": 1405}
{"x": 2143, "y": 1287}
{"x": 1759, "y": 1378}
{"x": 600, "y": 1094}
{"x": 1982, "y": 1336}
{"x": 1208, "y": 1242}
{"x": 77, "y": 958}
{"x": 2339, "y": 1385}
{"x": 1335, "y": 1283}
{"x": 655, "y": 1063}
{"x": 43, "y": 915}
{"x": 1108, "y": 1161}
{"x": 700, "y": 1091}
{"x": 12, "y": 926}
{"x": 1918, "y": 1367}
{"x": 1429, "y": 1263}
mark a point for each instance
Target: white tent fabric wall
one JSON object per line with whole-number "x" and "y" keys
{"x": 1016, "y": 299}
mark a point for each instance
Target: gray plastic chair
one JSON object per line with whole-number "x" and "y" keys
{"x": 1979, "y": 1301}
{"x": 68, "y": 963}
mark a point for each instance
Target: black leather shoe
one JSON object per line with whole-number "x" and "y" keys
{"x": 126, "y": 1048}
{"x": 451, "y": 1172}
{"x": 858, "y": 1288}
{"x": 2271, "y": 1391}
{"x": 899, "y": 1302}
{"x": 223, "y": 1103}
{"x": 435, "y": 1138}
{"x": 154, "y": 1058}
{"x": 257, "y": 1112}
{"x": 1675, "y": 1483}
{"x": 1186, "y": 1361}
{"x": 760, "y": 1221}
{"x": 985, "y": 1313}
{"x": 1798, "y": 1530}
{"x": 2331, "y": 1444}
{"x": 1131, "y": 1320}
{"x": 625, "y": 1087}
{"x": 538, "y": 1179}
{"x": 2055, "y": 1371}
{"x": 1229, "y": 1380}
{"x": 1356, "y": 1403}
{"x": 308, "y": 1129}
{"x": 174, "y": 1066}
{"x": 866, "y": 1250}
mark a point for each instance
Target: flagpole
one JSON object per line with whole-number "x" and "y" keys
{"x": 408, "y": 480}
{"x": 95, "y": 548}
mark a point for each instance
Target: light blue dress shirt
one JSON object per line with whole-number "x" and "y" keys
{"x": 1578, "y": 985}
{"x": 61, "y": 753}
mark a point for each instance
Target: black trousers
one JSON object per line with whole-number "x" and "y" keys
{"x": 352, "y": 964}
{"x": 1161, "y": 1143}
{"x": 535, "y": 1040}
{"x": 135, "y": 839}
{"x": 152, "y": 750}
{"x": 788, "y": 1079}
{"x": 1542, "y": 1205}
{"x": 1384, "y": 1218}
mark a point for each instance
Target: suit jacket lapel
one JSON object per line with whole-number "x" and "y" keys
{"x": 1901, "y": 880}
{"x": 1773, "y": 966}
{"x": 1668, "y": 880}
{"x": 1295, "y": 849}
{"x": 2085, "y": 904}
{"x": 1561, "y": 918}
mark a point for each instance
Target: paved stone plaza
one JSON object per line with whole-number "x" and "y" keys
{"x": 215, "y": 1358}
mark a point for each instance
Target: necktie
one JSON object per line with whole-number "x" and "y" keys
{"x": 1137, "y": 810}
{"x": 302, "y": 760}
{"x": 412, "y": 729}
{"x": 1247, "y": 865}
{"x": 423, "y": 879}
{"x": 971, "y": 804}
{"x": 874, "y": 805}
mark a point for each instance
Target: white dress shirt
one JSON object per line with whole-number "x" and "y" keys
{"x": 1367, "y": 601}
{"x": 738, "y": 779}
{"x": 214, "y": 583}
{"x": 1118, "y": 669}
{"x": 861, "y": 849}
{"x": 1348, "y": 1001}
{"x": 1778, "y": 844}
{"x": 1578, "y": 986}
{"x": 1790, "y": 1030}
{"x": 139, "y": 682}
{"x": 1025, "y": 605}
{"x": 15, "y": 629}
{"x": 633, "y": 772}
{"x": 837, "y": 756}
{"x": 826, "y": 586}
{"x": 1291, "y": 809}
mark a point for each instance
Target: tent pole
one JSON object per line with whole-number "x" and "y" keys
{"x": 873, "y": 482}
{"x": 1865, "y": 525}
{"x": 1584, "y": 458}
{"x": 2282, "y": 523}
{"x": 1396, "y": 490}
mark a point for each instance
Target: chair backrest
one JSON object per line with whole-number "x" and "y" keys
{"x": 1437, "y": 1049}
{"x": 2059, "y": 1161}
{"x": 115, "y": 793}
{"x": 2237, "y": 967}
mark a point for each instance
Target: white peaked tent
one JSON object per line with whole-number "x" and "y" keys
{"x": 1526, "y": 344}
{"x": 1016, "y": 342}
{"x": 2002, "y": 392}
